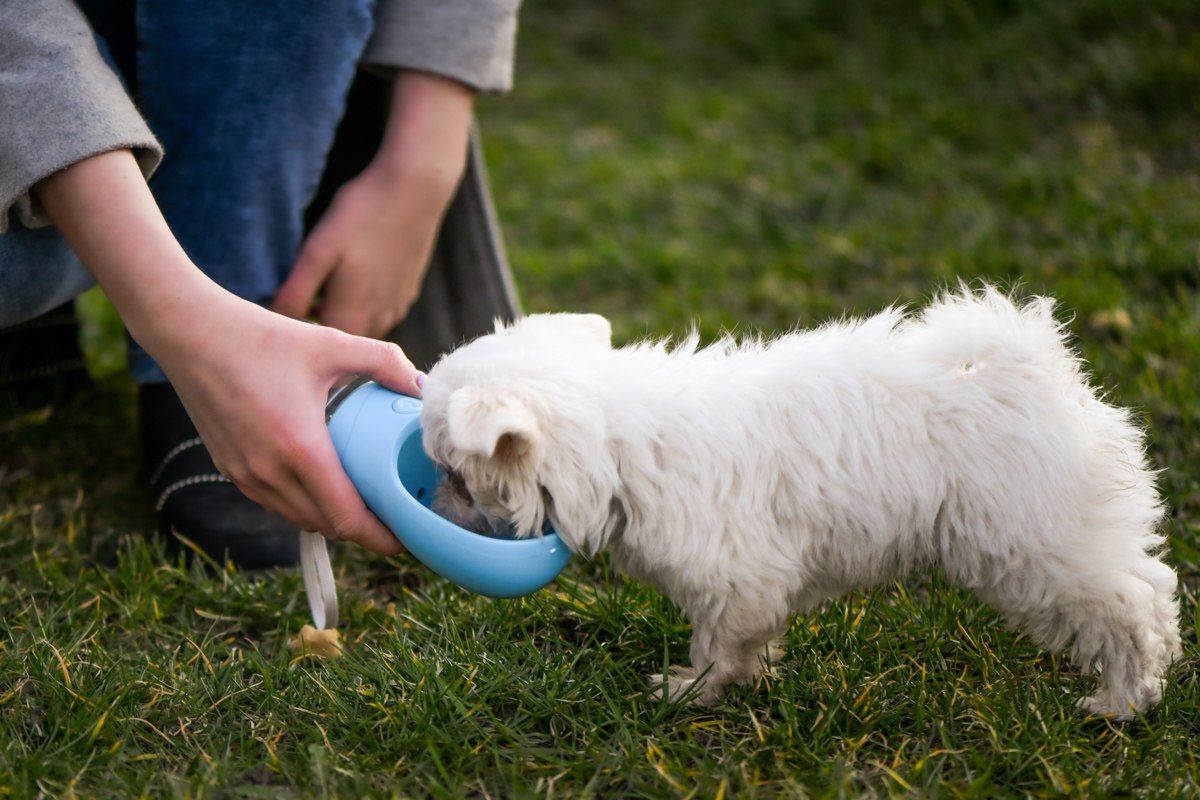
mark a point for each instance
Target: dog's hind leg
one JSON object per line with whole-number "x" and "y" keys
{"x": 1129, "y": 630}
{"x": 1120, "y": 617}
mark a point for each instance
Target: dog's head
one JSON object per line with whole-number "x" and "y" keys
{"x": 517, "y": 420}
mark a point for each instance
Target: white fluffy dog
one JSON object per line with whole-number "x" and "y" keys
{"x": 751, "y": 480}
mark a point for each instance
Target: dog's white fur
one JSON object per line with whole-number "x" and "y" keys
{"x": 750, "y": 480}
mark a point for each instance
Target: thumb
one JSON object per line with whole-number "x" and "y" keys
{"x": 384, "y": 363}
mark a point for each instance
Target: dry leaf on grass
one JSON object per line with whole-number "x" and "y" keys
{"x": 317, "y": 642}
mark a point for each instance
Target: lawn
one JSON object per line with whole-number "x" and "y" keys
{"x": 736, "y": 165}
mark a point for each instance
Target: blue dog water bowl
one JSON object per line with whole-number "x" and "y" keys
{"x": 377, "y": 434}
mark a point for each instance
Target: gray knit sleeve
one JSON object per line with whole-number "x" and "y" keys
{"x": 59, "y": 103}
{"x": 471, "y": 41}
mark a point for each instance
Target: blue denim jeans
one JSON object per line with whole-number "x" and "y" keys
{"x": 245, "y": 98}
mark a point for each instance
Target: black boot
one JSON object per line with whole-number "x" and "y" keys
{"x": 40, "y": 360}
{"x": 194, "y": 501}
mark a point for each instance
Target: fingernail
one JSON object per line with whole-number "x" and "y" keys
{"x": 420, "y": 380}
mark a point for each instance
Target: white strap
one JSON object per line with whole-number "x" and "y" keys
{"x": 319, "y": 584}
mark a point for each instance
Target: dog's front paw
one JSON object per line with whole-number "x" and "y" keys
{"x": 683, "y": 685}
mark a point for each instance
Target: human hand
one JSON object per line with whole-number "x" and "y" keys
{"x": 370, "y": 250}
{"x": 254, "y": 382}
{"x": 255, "y": 385}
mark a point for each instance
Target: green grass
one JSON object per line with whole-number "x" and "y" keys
{"x": 746, "y": 165}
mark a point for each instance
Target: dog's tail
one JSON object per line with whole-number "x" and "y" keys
{"x": 972, "y": 330}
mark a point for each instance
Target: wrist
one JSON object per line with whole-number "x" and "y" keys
{"x": 176, "y": 306}
{"x": 428, "y": 128}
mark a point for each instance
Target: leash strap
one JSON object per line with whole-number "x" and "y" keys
{"x": 319, "y": 584}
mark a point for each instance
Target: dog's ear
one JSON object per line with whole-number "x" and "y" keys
{"x": 591, "y": 330}
{"x": 592, "y": 327}
{"x": 491, "y": 423}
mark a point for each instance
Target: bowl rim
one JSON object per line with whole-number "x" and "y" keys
{"x": 374, "y": 395}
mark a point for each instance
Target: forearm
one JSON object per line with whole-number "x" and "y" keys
{"x": 105, "y": 210}
{"x": 429, "y": 123}
{"x": 230, "y": 360}
{"x": 60, "y": 103}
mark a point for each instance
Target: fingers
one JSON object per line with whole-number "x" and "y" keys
{"x": 313, "y": 267}
{"x": 305, "y": 483}
{"x": 272, "y": 484}
{"x": 349, "y": 518}
{"x": 288, "y": 498}
{"x": 350, "y": 318}
{"x": 359, "y": 309}
{"x": 384, "y": 363}
{"x": 359, "y": 317}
